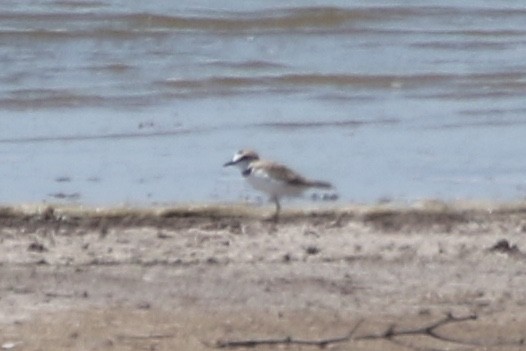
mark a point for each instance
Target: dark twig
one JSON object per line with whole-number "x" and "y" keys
{"x": 429, "y": 330}
{"x": 146, "y": 337}
{"x": 321, "y": 343}
{"x": 390, "y": 334}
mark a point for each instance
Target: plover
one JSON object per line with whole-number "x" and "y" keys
{"x": 272, "y": 178}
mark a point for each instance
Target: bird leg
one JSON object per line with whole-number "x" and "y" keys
{"x": 278, "y": 208}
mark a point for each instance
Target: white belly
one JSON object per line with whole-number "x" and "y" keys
{"x": 273, "y": 188}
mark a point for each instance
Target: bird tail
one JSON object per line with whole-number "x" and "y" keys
{"x": 320, "y": 184}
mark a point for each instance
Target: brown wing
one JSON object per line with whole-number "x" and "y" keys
{"x": 282, "y": 172}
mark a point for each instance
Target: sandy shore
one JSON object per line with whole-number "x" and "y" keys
{"x": 431, "y": 276}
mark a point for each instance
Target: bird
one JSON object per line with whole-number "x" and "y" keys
{"x": 272, "y": 178}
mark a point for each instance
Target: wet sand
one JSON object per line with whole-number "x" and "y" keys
{"x": 430, "y": 276}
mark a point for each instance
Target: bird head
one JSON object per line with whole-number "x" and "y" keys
{"x": 242, "y": 159}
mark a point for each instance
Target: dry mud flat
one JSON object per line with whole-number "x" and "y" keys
{"x": 431, "y": 276}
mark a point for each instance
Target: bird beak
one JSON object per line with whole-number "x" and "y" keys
{"x": 230, "y": 163}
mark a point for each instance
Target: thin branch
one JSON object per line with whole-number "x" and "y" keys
{"x": 389, "y": 334}
{"x": 146, "y": 337}
{"x": 321, "y": 343}
{"x": 429, "y": 330}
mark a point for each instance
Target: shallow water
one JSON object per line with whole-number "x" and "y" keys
{"x": 111, "y": 102}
